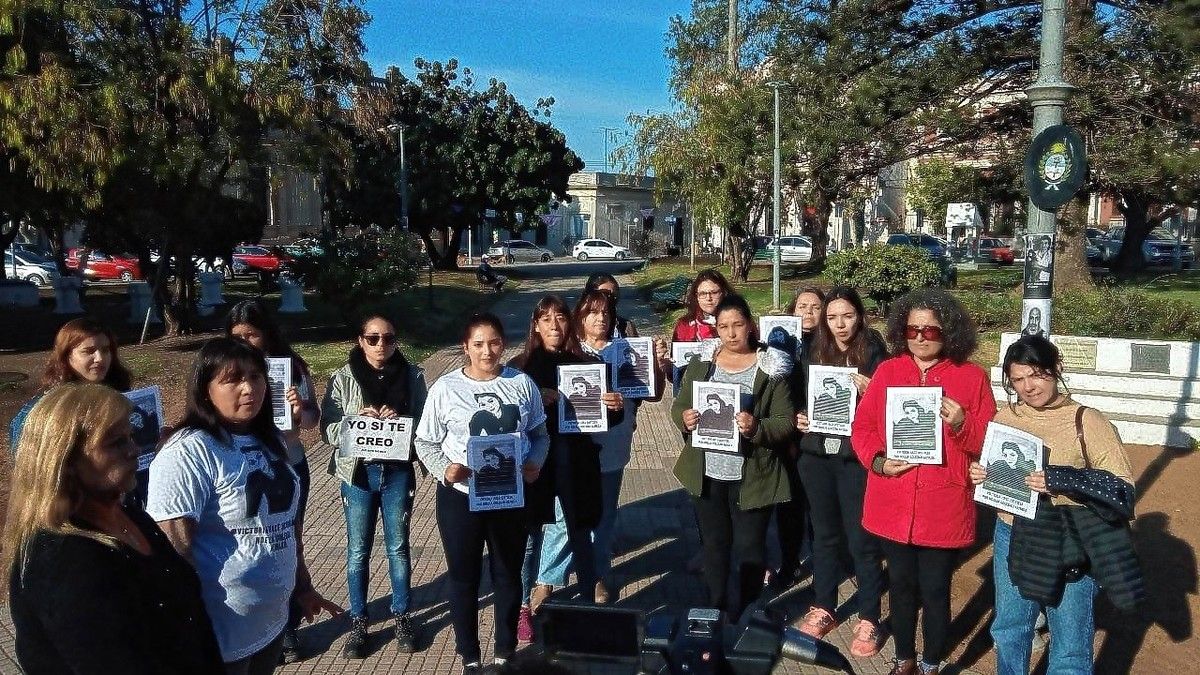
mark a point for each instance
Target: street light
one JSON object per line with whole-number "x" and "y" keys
{"x": 775, "y": 85}
{"x": 399, "y": 128}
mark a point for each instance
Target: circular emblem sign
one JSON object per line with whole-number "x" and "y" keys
{"x": 1055, "y": 167}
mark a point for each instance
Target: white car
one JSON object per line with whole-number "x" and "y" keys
{"x": 598, "y": 248}
{"x": 30, "y": 267}
{"x": 792, "y": 249}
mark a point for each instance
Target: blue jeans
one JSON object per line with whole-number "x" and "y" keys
{"x": 605, "y": 533}
{"x": 387, "y": 488}
{"x": 556, "y": 558}
{"x": 1072, "y": 625}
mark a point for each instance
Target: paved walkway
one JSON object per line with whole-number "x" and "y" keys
{"x": 656, "y": 526}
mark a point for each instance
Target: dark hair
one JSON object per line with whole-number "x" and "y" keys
{"x": 1035, "y": 351}
{"x": 598, "y": 279}
{"x": 959, "y": 333}
{"x": 362, "y": 324}
{"x": 714, "y": 276}
{"x": 587, "y": 304}
{"x": 482, "y": 319}
{"x": 824, "y": 346}
{"x": 494, "y": 451}
{"x": 737, "y": 303}
{"x": 533, "y": 342}
{"x": 215, "y": 357}
{"x": 791, "y": 308}
{"x": 58, "y": 365}
{"x": 254, "y": 313}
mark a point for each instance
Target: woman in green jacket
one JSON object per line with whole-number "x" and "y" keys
{"x": 734, "y": 492}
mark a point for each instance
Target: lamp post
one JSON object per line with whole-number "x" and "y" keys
{"x": 399, "y": 129}
{"x": 775, "y": 85}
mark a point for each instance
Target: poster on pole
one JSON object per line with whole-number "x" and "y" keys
{"x": 1039, "y": 265}
{"x": 1035, "y": 316}
{"x": 1009, "y": 455}
{"x": 914, "y": 424}
{"x": 832, "y": 399}
{"x": 145, "y": 421}
{"x": 632, "y": 361}
{"x": 375, "y": 439}
{"x": 279, "y": 377}
{"x": 580, "y": 405}
{"x": 495, "y": 464}
{"x": 683, "y": 352}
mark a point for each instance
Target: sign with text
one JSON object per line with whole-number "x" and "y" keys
{"x": 375, "y": 439}
{"x": 279, "y": 377}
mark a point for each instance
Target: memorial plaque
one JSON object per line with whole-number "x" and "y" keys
{"x": 1150, "y": 358}
{"x": 1077, "y": 353}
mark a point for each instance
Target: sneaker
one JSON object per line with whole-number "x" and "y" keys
{"x": 867, "y": 639}
{"x": 817, "y": 623}
{"x": 356, "y": 641}
{"x": 406, "y": 637}
{"x": 291, "y": 647}
{"x": 471, "y": 668}
{"x": 904, "y": 667}
{"x": 525, "y": 626}
{"x": 602, "y": 595}
{"x": 539, "y": 594}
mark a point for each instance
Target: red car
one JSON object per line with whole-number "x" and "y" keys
{"x": 250, "y": 259}
{"x": 101, "y": 265}
{"x": 995, "y": 251}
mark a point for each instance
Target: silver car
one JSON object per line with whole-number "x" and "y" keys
{"x": 519, "y": 250}
{"x": 30, "y": 267}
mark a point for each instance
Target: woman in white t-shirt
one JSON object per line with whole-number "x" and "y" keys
{"x": 485, "y": 387}
{"x": 222, "y": 491}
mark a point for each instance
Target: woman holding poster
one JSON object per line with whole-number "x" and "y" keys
{"x": 1033, "y": 372}
{"x": 836, "y": 482}
{"x": 442, "y": 440}
{"x": 924, "y": 514}
{"x": 735, "y": 493}
{"x": 376, "y": 382}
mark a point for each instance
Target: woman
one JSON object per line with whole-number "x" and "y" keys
{"x": 251, "y": 322}
{"x": 706, "y": 292}
{"x": 835, "y": 482}
{"x": 441, "y": 441}
{"x": 607, "y": 283}
{"x": 222, "y": 491}
{"x": 377, "y": 381}
{"x": 94, "y": 587}
{"x": 1032, "y": 370}
{"x": 84, "y": 351}
{"x": 924, "y": 514}
{"x": 735, "y": 494}
{"x": 566, "y": 498}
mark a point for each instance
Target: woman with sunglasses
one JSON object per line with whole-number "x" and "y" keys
{"x": 607, "y": 283}
{"x": 924, "y": 514}
{"x": 378, "y": 382}
{"x": 441, "y": 439}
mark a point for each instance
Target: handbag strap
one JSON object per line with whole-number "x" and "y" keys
{"x": 1087, "y": 462}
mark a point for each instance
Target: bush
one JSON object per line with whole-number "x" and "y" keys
{"x": 641, "y": 243}
{"x": 994, "y": 311}
{"x": 883, "y": 273}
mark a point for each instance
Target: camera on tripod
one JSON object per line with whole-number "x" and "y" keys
{"x": 697, "y": 641}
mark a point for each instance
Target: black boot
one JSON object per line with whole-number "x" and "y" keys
{"x": 406, "y": 638}
{"x": 356, "y": 641}
{"x": 291, "y": 647}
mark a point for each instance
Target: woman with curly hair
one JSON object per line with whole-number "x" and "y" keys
{"x": 924, "y": 514}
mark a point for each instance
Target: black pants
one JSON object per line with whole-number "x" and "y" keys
{"x": 294, "y": 612}
{"x": 919, "y": 575}
{"x": 792, "y": 524}
{"x": 730, "y": 530}
{"x": 463, "y": 536}
{"x": 261, "y": 662}
{"x": 835, "y": 487}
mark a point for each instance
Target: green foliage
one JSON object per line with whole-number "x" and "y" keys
{"x": 641, "y": 243}
{"x": 882, "y": 273}
{"x": 937, "y": 183}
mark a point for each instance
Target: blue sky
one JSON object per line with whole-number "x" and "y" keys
{"x": 599, "y": 60}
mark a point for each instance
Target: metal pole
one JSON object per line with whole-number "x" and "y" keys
{"x": 1048, "y": 96}
{"x": 692, "y": 222}
{"x": 775, "y": 207}
{"x": 403, "y": 184}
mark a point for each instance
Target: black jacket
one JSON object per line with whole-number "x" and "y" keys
{"x": 813, "y": 443}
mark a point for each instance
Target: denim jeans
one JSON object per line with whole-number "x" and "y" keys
{"x": 556, "y": 556}
{"x": 533, "y": 555}
{"x": 1072, "y": 625}
{"x": 387, "y": 489}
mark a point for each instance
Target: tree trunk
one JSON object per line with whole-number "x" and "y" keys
{"x": 1135, "y": 207}
{"x": 817, "y": 227}
{"x": 1071, "y": 270}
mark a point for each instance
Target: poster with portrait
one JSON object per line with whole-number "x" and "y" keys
{"x": 779, "y": 331}
{"x": 375, "y": 439}
{"x": 832, "y": 399}
{"x": 683, "y": 352}
{"x": 279, "y": 377}
{"x": 145, "y": 422}
{"x": 495, "y": 464}
{"x": 1009, "y": 455}
{"x": 718, "y": 404}
{"x": 1039, "y": 265}
{"x": 1035, "y": 317}
{"x": 632, "y": 361}
{"x": 914, "y": 424}
{"x": 580, "y": 408}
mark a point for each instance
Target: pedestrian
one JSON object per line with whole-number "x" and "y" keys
{"x": 734, "y": 495}
{"x": 251, "y": 322}
{"x": 488, "y": 277}
{"x": 378, "y": 382}
{"x": 603, "y": 281}
{"x": 1032, "y": 370}
{"x": 93, "y": 586}
{"x": 924, "y": 514}
{"x": 835, "y": 482}
{"x": 441, "y": 441}
{"x": 222, "y": 491}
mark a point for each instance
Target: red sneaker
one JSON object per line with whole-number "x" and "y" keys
{"x": 817, "y": 623}
{"x": 524, "y": 626}
{"x": 867, "y": 639}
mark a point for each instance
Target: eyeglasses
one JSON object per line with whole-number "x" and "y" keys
{"x": 388, "y": 339}
{"x": 930, "y": 333}
{"x": 709, "y": 294}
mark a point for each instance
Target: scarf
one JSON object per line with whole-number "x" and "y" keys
{"x": 384, "y": 386}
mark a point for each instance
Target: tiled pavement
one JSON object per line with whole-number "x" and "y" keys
{"x": 657, "y": 537}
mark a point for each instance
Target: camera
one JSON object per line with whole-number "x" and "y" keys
{"x": 697, "y": 641}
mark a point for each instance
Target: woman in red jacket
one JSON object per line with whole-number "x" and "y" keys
{"x": 924, "y": 513}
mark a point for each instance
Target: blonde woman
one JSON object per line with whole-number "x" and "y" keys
{"x": 83, "y": 574}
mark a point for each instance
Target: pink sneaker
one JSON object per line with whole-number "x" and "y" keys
{"x": 817, "y": 623}
{"x": 524, "y": 626}
{"x": 867, "y": 639}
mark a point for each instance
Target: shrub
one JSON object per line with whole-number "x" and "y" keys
{"x": 995, "y": 310}
{"x": 641, "y": 243}
{"x": 1104, "y": 312}
{"x": 883, "y": 273}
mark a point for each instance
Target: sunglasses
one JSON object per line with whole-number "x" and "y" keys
{"x": 930, "y": 333}
{"x": 388, "y": 339}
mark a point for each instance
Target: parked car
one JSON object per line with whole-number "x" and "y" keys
{"x": 993, "y": 250}
{"x": 935, "y": 248}
{"x": 599, "y": 248}
{"x": 251, "y": 259}
{"x": 100, "y": 265}
{"x": 515, "y": 250}
{"x": 30, "y": 267}
{"x": 1157, "y": 249}
{"x": 792, "y": 249}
